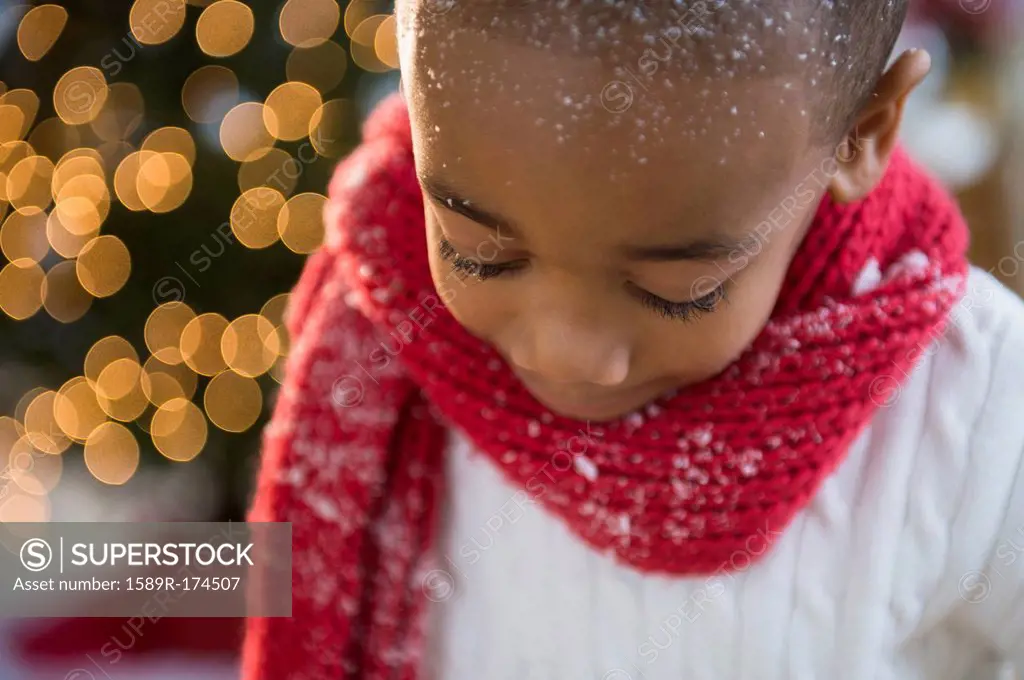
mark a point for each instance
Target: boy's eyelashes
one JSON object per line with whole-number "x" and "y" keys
{"x": 469, "y": 266}
{"x": 684, "y": 311}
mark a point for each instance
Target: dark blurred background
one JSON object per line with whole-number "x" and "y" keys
{"x": 162, "y": 171}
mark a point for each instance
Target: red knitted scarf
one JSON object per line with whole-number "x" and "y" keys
{"x": 380, "y": 370}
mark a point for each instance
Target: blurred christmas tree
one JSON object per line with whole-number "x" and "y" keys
{"x": 162, "y": 170}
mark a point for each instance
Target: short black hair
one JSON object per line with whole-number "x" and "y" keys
{"x": 874, "y": 27}
{"x": 841, "y": 46}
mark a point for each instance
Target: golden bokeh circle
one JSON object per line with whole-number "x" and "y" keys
{"x": 162, "y": 388}
{"x": 76, "y": 163}
{"x": 274, "y": 311}
{"x": 64, "y": 298}
{"x": 83, "y": 203}
{"x": 278, "y": 370}
{"x": 385, "y": 42}
{"x": 171, "y": 140}
{"x": 26, "y": 399}
{"x": 224, "y": 28}
{"x": 307, "y": 23}
{"x": 358, "y": 11}
{"x": 233, "y": 402}
{"x": 39, "y": 30}
{"x": 63, "y": 241}
{"x": 156, "y": 21}
{"x": 277, "y": 169}
{"x": 121, "y": 390}
{"x": 104, "y": 265}
{"x": 27, "y": 101}
{"x": 80, "y": 94}
{"x": 34, "y": 472}
{"x": 179, "y": 430}
{"x": 77, "y": 409}
{"x": 364, "y": 44}
{"x": 118, "y": 379}
{"x": 12, "y": 121}
{"x": 329, "y": 126}
{"x": 300, "y": 222}
{"x": 200, "y": 344}
{"x": 126, "y": 179}
{"x": 11, "y": 154}
{"x": 288, "y": 110}
{"x": 254, "y": 217}
{"x": 104, "y": 352}
{"x": 53, "y": 138}
{"x": 122, "y": 114}
{"x": 243, "y": 132}
{"x": 41, "y": 426}
{"x": 163, "y": 330}
{"x": 21, "y": 289}
{"x": 112, "y": 454}
{"x": 10, "y": 431}
{"x": 250, "y": 345}
{"x": 322, "y": 66}
{"x": 209, "y": 93}
{"x": 23, "y": 237}
{"x": 168, "y": 381}
{"x": 80, "y": 216}
{"x": 17, "y": 455}
{"x": 28, "y": 184}
{"x": 164, "y": 182}
{"x": 275, "y": 308}
{"x": 86, "y": 152}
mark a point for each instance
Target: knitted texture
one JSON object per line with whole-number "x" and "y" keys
{"x": 379, "y": 369}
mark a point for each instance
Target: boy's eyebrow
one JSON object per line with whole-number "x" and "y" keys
{"x": 448, "y": 197}
{"x": 710, "y": 249}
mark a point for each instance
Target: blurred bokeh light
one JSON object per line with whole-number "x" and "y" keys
{"x": 163, "y": 166}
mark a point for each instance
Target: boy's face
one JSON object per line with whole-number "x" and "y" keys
{"x": 613, "y": 236}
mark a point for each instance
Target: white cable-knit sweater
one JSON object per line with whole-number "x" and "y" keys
{"x": 908, "y": 565}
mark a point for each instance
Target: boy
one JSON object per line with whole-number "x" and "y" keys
{"x": 712, "y": 393}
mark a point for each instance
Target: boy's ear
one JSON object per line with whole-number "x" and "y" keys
{"x": 871, "y": 142}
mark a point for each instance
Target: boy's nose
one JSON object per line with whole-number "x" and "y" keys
{"x": 562, "y": 352}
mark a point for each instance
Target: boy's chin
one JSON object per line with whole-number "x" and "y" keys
{"x": 588, "y": 414}
{"x": 598, "y": 407}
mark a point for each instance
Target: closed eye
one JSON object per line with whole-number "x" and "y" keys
{"x": 690, "y": 310}
{"x": 684, "y": 311}
{"x": 475, "y": 267}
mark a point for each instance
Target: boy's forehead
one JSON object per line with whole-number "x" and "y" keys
{"x": 509, "y": 95}
{"x": 730, "y": 38}
{"x": 709, "y": 47}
